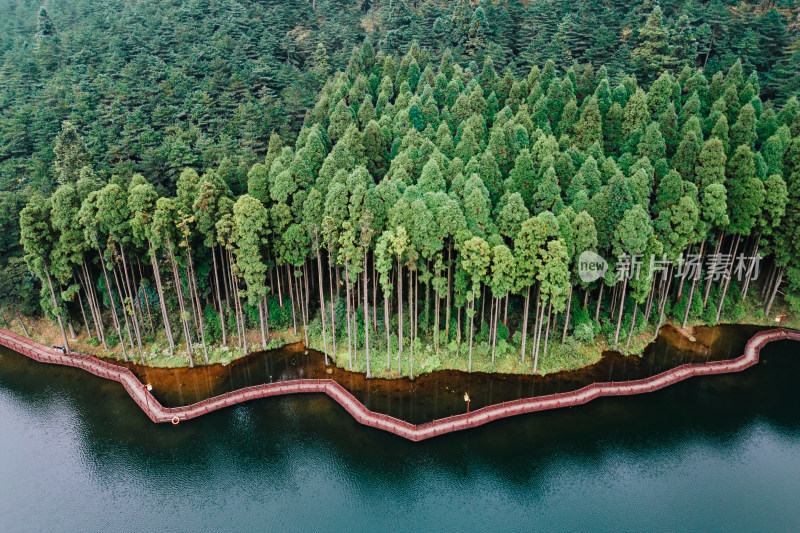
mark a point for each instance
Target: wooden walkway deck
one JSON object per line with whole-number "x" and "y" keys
{"x": 159, "y": 413}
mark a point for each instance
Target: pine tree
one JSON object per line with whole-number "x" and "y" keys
{"x": 652, "y": 55}
{"x": 69, "y": 153}
{"x": 589, "y": 129}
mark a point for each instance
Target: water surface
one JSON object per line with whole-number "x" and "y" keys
{"x": 718, "y": 453}
{"x": 439, "y": 394}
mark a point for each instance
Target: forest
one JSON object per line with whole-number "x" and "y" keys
{"x": 418, "y": 197}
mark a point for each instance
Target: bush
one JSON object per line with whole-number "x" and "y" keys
{"x": 251, "y": 315}
{"x": 112, "y": 340}
{"x": 503, "y": 347}
{"x": 502, "y": 332}
{"x": 584, "y": 333}
{"x": 483, "y": 334}
{"x": 280, "y": 318}
{"x": 733, "y": 309}
{"x": 213, "y": 326}
{"x": 516, "y": 339}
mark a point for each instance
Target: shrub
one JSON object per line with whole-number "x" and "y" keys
{"x": 502, "y": 332}
{"x": 213, "y": 327}
{"x": 280, "y": 318}
{"x": 112, "y": 340}
{"x": 584, "y": 333}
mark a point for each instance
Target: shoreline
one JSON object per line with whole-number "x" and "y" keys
{"x": 601, "y": 349}
{"x": 159, "y": 414}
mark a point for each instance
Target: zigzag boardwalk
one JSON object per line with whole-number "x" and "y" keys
{"x": 159, "y": 413}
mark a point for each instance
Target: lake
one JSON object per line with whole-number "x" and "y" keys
{"x": 715, "y": 453}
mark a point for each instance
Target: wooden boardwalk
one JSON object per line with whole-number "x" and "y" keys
{"x": 159, "y": 413}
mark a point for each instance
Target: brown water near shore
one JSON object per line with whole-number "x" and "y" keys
{"x": 440, "y": 394}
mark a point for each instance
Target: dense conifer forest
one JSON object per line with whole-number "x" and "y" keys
{"x": 404, "y": 185}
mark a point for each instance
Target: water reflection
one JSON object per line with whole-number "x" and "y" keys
{"x": 439, "y": 394}
{"x": 719, "y": 452}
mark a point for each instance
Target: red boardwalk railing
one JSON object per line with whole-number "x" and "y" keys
{"x": 357, "y": 410}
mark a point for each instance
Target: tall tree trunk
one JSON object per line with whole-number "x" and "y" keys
{"x": 525, "y": 323}
{"x": 692, "y": 289}
{"x": 621, "y": 310}
{"x": 663, "y": 300}
{"x": 751, "y": 267}
{"x": 291, "y": 296}
{"x": 458, "y": 332}
{"x": 353, "y": 297}
{"x": 536, "y": 311}
{"x": 280, "y": 289}
{"x": 711, "y": 278}
{"x": 493, "y": 329}
{"x": 114, "y": 316}
{"x": 21, "y": 323}
{"x": 83, "y": 311}
{"x": 136, "y": 309}
{"x": 374, "y": 296}
{"x": 161, "y": 302}
{"x": 126, "y": 284}
{"x": 265, "y": 303}
{"x": 633, "y": 323}
{"x": 263, "y": 329}
{"x": 614, "y": 299}
{"x": 547, "y": 331}
{"x": 366, "y": 316}
{"x": 651, "y": 294}
{"x": 399, "y": 317}
{"x": 471, "y": 329}
{"x": 130, "y": 279}
{"x": 483, "y": 306}
{"x": 219, "y": 297}
{"x": 97, "y": 318}
{"x": 540, "y": 307}
{"x": 322, "y": 317}
{"x": 125, "y": 311}
{"x": 303, "y": 306}
{"x": 427, "y": 322}
{"x": 599, "y": 301}
{"x": 333, "y": 304}
{"x": 192, "y": 279}
{"x": 449, "y": 280}
{"x": 94, "y": 308}
{"x": 139, "y": 286}
{"x": 55, "y": 308}
{"x": 187, "y": 332}
{"x": 505, "y": 310}
{"x": 72, "y": 334}
{"x": 237, "y": 303}
{"x": 566, "y": 315}
{"x": 774, "y": 291}
{"x": 349, "y": 328}
{"x": 437, "y": 326}
{"x": 683, "y": 274}
{"x": 306, "y": 294}
{"x": 412, "y": 320}
{"x": 234, "y": 296}
{"x": 386, "y": 304}
{"x": 146, "y": 299}
{"x": 728, "y": 280}
{"x": 773, "y": 271}
{"x": 539, "y": 318}
{"x": 226, "y": 277}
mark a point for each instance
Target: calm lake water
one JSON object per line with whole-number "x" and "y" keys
{"x": 720, "y": 453}
{"x": 439, "y": 394}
